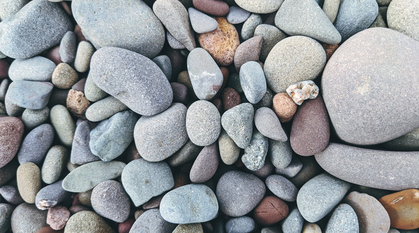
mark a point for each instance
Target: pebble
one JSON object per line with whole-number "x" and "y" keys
{"x": 164, "y": 63}
{"x": 84, "y": 53}
{"x": 11, "y": 129}
{"x": 189, "y": 228}
{"x": 284, "y": 107}
{"x": 160, "y": 136}
{"x": 372, "y": 216}
{"x": 253, "y": 82}
{"x": 64, "y": 76}
{"x": 10, "y": 8}
{"x": 104, "y": 108}
{"x": 33, "y": 69}
{"x": 108, "y": 28}
{"x": 51, "y": 195}
{"x": 282, "y": 187}
{"x": 306, "y": 18}
{"x": 237, "y": 15}
{"x": 187, "y": 153}
{"x": 109, "y": 200}
{"x": 27, "y": 218}
{"x": 249, "y": 26}
{"x": 29, "y": 94}
{"x": 173, "y": 43}
{"x": 310, "y": 131}
{"x": 271, "y": 36}
{"x": 212, "y": 7}
{"x": 293, "y": 59}
{"x": 238, "y": 193}
{"x": 87, "y": 221}
{"x": 343, "y": 220}
{"x": 270, "y": 210}
{"x": 77, "y": 103}
{"x": 180, "y": 92}
{"x": 68, "y": 46}
{"x": 401, "y": 208}
{"x": 201, "y": 23}
{"x": 80, "y": 150}
{"x": 270, "y": 230}
{"x": 309, "y": 170}
{"x": 318, "y": 196}
{"x": 280, "y": 153}
{"x": 311, "y": 228}
{"x": 238, "y": 123}
{"x": 63, "y": 124}
{"x": 36, "y": 144}
{"x": 331, "y": 9}
{"x": 114, "y": 70}
{"x": 5, "y": 216}
{"x": 143, "y": 180}
{"x": 203, "y": 123}
{"x": 249, "y": 50}
{"x": 87, "y": 176}
{"x": 205, "y": 165}
{"x": 255, "y": 153}
{"x": 11, "y": 195}
{"x": 151, "y": 221}
{"x": 231, "y": 98}
{"x": 354, "y": 17}
{"x": 268, "y": 124}
{"x": 221, "y": 43}
{"x": 293, "y": 223}
{"x": 229, "y": 151}
{"x": 192, "y": 203}
{"x": 243, "y": 224}
{"x": 54, "y": 164}
{"x": 402, "y": 17}
{"x": 34, "y": 118}
{"x": 28, "y": 178}
{"x": 45, "y": 25}
{"x": 265, "y": 171}
{"x": 110, "y": 138}
{"x": 57, "y": 217}
{"x": 92, "y": 92}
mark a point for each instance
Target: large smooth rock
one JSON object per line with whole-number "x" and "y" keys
{"x": 132, "y": 78}
{"x": 377, "y": 68}
{"x": 402, "y": 16}
{"x": 38, "y": 26}
{"x": 159, "y": 137}
{"x": 378, "y": 167}
{"x": 103, "y": 25}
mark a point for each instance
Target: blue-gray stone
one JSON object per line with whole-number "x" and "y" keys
{"x": 240, "y": 225}
{"x": 151, "y": 222}
{"x": 103, "y": 25}
{"x": 33, "y": 118}
{"x": 33, "y": 69}
{"x": 280, "y": 153}
{"x": 5, "y": 217}
{"x": 68, "y": 46}
{"x": 80, "y": 150}
{"x": 111, "y": 137}
{"x": 249, "y": 26}
{"x": 343, "y": 220}
{"x": 402, "y": 17}
{"x": 29, "y": 94}
{"x": 8, "y": 8}
{"x": 292, "y": 169}
{"x": 143, "y": 180}
{"x": 355, "y": 16}
{"x": 268, "y": 124}
{"x": 36, "y": 144}
{"x": 38, "y": 26}
{"x": 238, "y": 124}
{"x": 281, "y": 187}
{"x": 192, "y": 203}
{"x": 253, "y": 82}
{"x": 203, "y": 123}
{"x": 237, "y": 15}
{"x": 51, "y": 195}
{"x": 11, "y": 195}
{"x": 201, "y": 23}
{"x": 27, "y": 218}
{"x": 160, "y": 136}
{"x": 318, "y": 196}
{"x": 104, "y": 108}
{"x": 54, "y": 164}
{"x": 165, "y": 64}
{"x": 293, "y": 223}
{"x": 255, "y": 153}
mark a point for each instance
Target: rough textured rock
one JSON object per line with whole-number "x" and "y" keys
{"x": 203, "y": 123}
{"x": 238, "y": 123}
{"x": 11, "y": 129}
{"x": 87, "y": 222}
{"x": 369, "y": 100}
{"x": 255, "y": 153}
{"x": 402, "y": 17}
{"x": 343, "y": 220}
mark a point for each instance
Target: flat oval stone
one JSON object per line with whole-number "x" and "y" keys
{"x": 134, "y": 79}
{"x": 29, "y": 94}
{"x": 402, "y": 17}
{"x": 87, "y": 176}
{"x": 151, "y": 221}
{"x": 33, "y": 118}
{"x": 87, "y": 221}
{"x": 268, "y": 124}
{"x": 33, "y": 69}
{"x": 284, "y": 107}
{"x": 112, "y": 136}
{"x": 68, "y": 46}
{"x": 84, "y": 53}
{"x": 205, "y": 165}
{"x": 54, "y": 164}
{"x": 281, "y": 187}
{"x": 248, "y": 50}
{"x": 80, "y": 150}
{"x": 237, "y": 15}
{"x": 238, "y": 193}
{"x": 27, "y": 218}
{"x": 238, "y": 123}
{"x": 212, "y": 7}
{"x": 201, "y": 23}
{"x": 28, "y": 178}
{"x": 109, "y": 200}
{"x": 51, "y": 195}
{"x": 160, "y": 136}
{"x": 92, "y": 92}
{"x": 63, "y": 124}
{"x": 253, "y": 82}
{"x": 39, "y": 25}
{"x": 255, "y": 153}
{"x": 102, "y": 24}
{"x": 372, "y": 216}
{"x": 343, "y": 220}
{"x": 270, "y": 211}
{"x": 310, "y": 131}
{"x": 292, "y": 60}
{"x": 206, "y": 79}
{"x": 192, "y": 203}
{"x": 320, "y": 195}
{"x": 11, "y": 129}
{"x": 221, "y": 43}
{"x": 104, "y": 109}
{"x": 143, "y": 180}
{"x": 369, "y": 91}
{"x": 280, "y": 153}
{"x": 203, "y": 123}
{"x": 260, "y": 7}
{"x": 36, "y": 144}
{"x": 243, "y": 224}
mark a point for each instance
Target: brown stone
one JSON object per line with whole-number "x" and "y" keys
{"x": 11, "y": 129}
{"x": 77, "y": 103}
{"x": 79, "y": 86}
{"x": 126, "y": 226}
{"x": 212, "y": 7}
{"x": 403, "y": 209}
{"x": 48, "y": 229}
{"x": 222, "y": 42}
{"x": 249, "y": 50}
{"x": 4, "y": 68}
{"x": 284, "y": 107}
{"x": 270, "y": 211}
{"x": 231, "y": 98}
{"x": 79, "y": 33}
{"x": 57, "y": 217}
{"x": 329, "y": 49}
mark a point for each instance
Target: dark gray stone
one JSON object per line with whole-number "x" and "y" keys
{"x": 409, "y": 141}
{"x": 36, "y": 144}
{"x": 33, "y": 69}
{"x": 28, "y": 94}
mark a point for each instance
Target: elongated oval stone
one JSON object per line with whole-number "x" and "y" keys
{"x": 133, "y": 79}
{"x": 390, "y": 170}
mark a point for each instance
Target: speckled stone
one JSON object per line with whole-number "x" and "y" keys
{"x": 173, "y": 43}
{"x": 255, "y": 153}
{"x": 29, "y": 94}
{"x": 27, "y": 218}
{"x": 293, "y": 223}
{"x": 68, "y": 46}
{"x": 217, "y": 8}
{"x": 231, "y": 98}
{"x": 34, "y": 118}
{"x": 402, "y": 17}
{"x": 80, "y": 150}
{"x": 270, "y": 210}
{"x": 268, "y": 124}
{"x": 249, "y": 26}
{"x": 160, "y": 136}
{"x": 64, "y": 76}
{"x": 51, "y": 195}
{"x": 205, "y": 164}
{"x": 33, "y": 69}
{"x": 36, "y": 144}
{"x": 280, "y": 153}
{"x": 92, "y": 92}
{"x": 248, "y": 50}
{"x": 54, "y": 164}
{"x": 151, "y": 221}
{"x": 104, "y": 109}
{"x": 229, "y": 151}
{"x": 10, "y": 8}
{"x": 203, "y": 123}
{"x": 5, "y": 217}
{"x": 282, "y": 187}
{"x": 201, "y": 23}
{"x": 57, "y": 217}
{"x": 271, "y": 36}
{"x": 253, "y": 82}
{"x": 331, "y": 9}
{"x": 84, "y": 53}
{"x": 243, "y": 224}
{"x": 28, "y": 177}
{"x": 187, "y": 153}
{"x": 238, "y": 123}
{"x": 343, "y": 220}
{"x": 237, "y": 15}
{"x": 284, "y": 107}
{"x": 11, "y": 129}
{"x": 63, "y": 124}
{"x": 87, "y": 221}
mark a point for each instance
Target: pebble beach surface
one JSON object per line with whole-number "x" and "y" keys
{"x": 209, "y": 116}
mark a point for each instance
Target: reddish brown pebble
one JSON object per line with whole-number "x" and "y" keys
{"x": 77, "y": 103}
{"x": 284, "y": 107}
{"x": 54, "y": 55}
{"x": 270, "y": 211}
{"x": 79, "y": 86}
{"x": 48, "y": 229}
{"x": 57, "y": 217}
{"x": 4, "y": 68}
{"x": 11, "y": 131}
{"x": 212, "y": 7}
{"x": 79, "y": 33}
{"x": 205, "y": 164}
{"x": 310, "y": 130}
{"x": 221, "y": 43}
{"x": 329, "y": 49}
{"x": 126, "y": 226}
{"x": 231, "y": 98}
{"x": 249, "y": 50}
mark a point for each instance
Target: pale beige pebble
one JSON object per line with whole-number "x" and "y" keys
{"x": 63, "y": 124}
{"x": 229, "y": 151}
{"x": 64, "y": 76}
{"x": 284, "y": 107}
{"x": 28, "y": 177}
{"x": 77, "y": 103}
{"x": 311, "y": 228}
{"x": 83, "y": 55}
{"x": 189, "y": 228}
{"x": 92, "y": 92}
{"x": 54, "y": 164}
{"x": 84, "y": 198}
{"x": 138, "y": 213}
{"x": 331, "y": 8}
{"x": 302, "y": 91}
{"x": 57, "y": 217}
